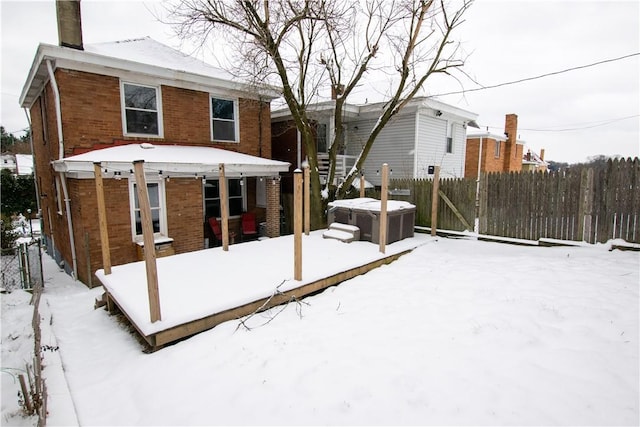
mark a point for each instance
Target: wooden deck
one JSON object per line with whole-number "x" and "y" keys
{"x": 207, "y": 298}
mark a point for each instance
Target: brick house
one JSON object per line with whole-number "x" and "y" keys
{"x": 115, "y": 103}
{"x": 494, "y": 152}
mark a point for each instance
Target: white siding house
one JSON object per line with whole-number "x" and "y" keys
{"x": 425, "y": 133}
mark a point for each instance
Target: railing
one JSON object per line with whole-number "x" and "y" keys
{"x": 344, "y": 164}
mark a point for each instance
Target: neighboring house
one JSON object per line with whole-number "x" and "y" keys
{"x": 18, "y": 164}
{"x": 115, "y": 103}
{"x": 425, "y": 133}
{"x": 492, "y": 152}
{"x": 534, "y": 162}
{"x": 9, "y": 162}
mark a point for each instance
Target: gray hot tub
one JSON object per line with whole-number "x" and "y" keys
{"x": 365, "y": 214}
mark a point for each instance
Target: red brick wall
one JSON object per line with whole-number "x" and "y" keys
{"x": 91, "y": 119}
{"x": 184, "y": 217}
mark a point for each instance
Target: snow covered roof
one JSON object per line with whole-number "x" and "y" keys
{"x": 356, "y": 111}
{"x": 485, "y": 134}
{"x": 172, "y": 160}
{"x": 142, "y": 57}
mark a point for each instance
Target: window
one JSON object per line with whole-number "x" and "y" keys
{"x": 497, "y": 152}
{"x": 223, "y": 120}
{"x": 58, "y": 195}
{"x": 235, "y": 197}
{"x": 158, "y": 209}
{"x": 449, "y": 140}
{"x": 141, "y": 112}
{"x": 321, "y": 137}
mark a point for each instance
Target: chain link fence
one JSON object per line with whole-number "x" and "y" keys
{"x": 21, "y": 267}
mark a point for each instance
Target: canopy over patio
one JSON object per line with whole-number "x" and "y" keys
{"x": 170, "y": 160}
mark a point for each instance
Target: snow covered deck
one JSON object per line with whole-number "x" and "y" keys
{"x": 199, "y": 290}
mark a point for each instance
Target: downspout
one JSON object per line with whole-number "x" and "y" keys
{"x": 63, "y": 178}
{"x": 56, "y": 94}
{"x": 72, "y": 242}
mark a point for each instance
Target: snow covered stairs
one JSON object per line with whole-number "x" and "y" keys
{"x": 343, "y": 232}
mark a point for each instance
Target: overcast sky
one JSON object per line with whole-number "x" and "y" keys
{"x": 573, "y": 115}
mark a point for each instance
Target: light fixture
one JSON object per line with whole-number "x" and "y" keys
{"x": 438, "y": 113}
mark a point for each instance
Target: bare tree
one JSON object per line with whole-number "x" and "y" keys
{"x": 305, "y": 44}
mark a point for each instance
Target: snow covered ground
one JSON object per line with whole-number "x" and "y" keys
{"x": 457, "y": 332}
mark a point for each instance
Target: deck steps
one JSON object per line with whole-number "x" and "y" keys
{"x": 343, "y": 232}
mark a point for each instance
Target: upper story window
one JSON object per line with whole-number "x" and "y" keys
{"x": 449, "y": 141}
{"x": 141, "y": 110}
{"x": 321, "y": 137}
{"x": 224, "y": 120}
{"x": 496, "y": 154}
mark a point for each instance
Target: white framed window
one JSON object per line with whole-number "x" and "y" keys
{"x": 224, "y": 119}
{"x": 496, "y": 154}
{"x": 449, "y": 140}
{"x": 157, "y": 202}
{"x": 236, "y": 197}
{"x": 58, "y": 195}
{"x": 141, "y": 110}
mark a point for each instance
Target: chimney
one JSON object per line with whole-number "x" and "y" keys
{"x": 69, "y": 23}
{"x": 511, "y": 128}
{"x": 542, "y": 154}
{"x": 511, "y": 163}
{"x": 336, "y": 90}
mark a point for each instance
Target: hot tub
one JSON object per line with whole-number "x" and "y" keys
{"x": 365, "y": 214}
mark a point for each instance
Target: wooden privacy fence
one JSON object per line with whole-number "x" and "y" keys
{"x": 461, "y": 193}
{"x": 592, "y": 203}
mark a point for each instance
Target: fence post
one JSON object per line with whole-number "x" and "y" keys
{"x": 585, "y": 205}
{"x": 434, "y": 200}
{"x": 297, "y": 224}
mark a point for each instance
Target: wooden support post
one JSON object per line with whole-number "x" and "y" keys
{"x": 384, "y": 191}
{"x": 297, "y": 224}
{"x": 149, "y": 243}
{"x": 307, "y": 201}
{"x": 362, "y": 185}
{"x": 224, "y": 210}
{"x": 102, "y": 219}
{"x": 434, "y": 200}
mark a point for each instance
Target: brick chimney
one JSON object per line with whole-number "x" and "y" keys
{"x": 69, "y": 23}
{"x": 336, "y": 90}
{"x": 542, "y": 154}
{"x": 511, "y": 162}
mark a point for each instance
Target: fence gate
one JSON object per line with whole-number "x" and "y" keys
{"x": 22, "y": 266}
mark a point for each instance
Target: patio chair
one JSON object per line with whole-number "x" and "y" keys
{"x": 248, "y": 226}
{"x": 217, "y": 230}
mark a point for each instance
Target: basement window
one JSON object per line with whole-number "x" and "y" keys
{"x": 141, "y": 110}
